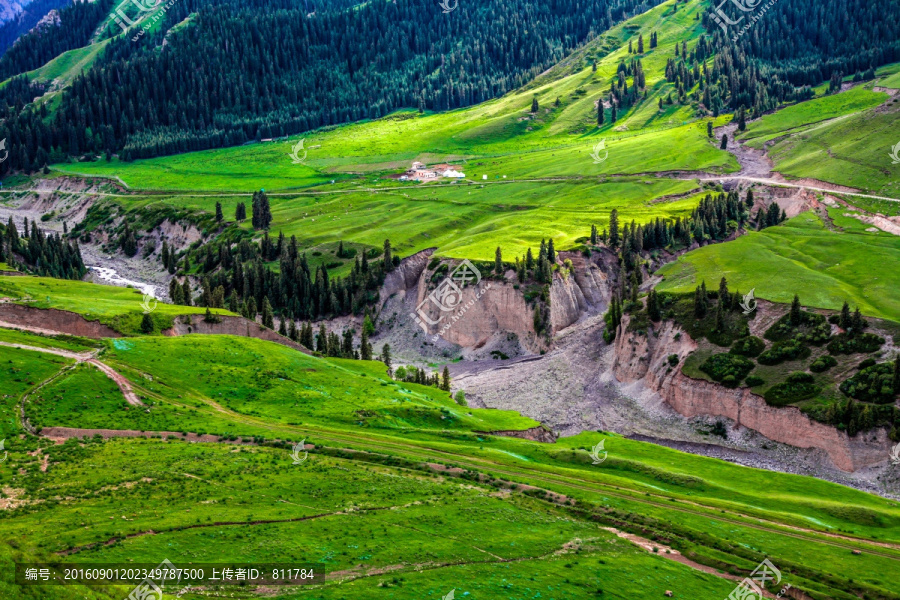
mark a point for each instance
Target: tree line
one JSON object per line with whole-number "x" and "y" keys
{"x": 251, "y": 69}
{"x": 39, "y": 253}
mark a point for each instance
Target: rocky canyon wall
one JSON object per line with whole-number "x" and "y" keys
{"x": 645, "y": 357}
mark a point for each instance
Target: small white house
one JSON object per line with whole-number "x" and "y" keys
{"x": 484, "y": 177}
{"x": 453, "y": 173}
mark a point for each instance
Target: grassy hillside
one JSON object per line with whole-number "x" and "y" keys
{"x": 381, "y": 516}
{"x": 788, "y": 120}
{"x": 852, "y": 151}
{"x": 802, "y": 256}
{"x": 502, "y": 129}
{"x": 262, "y": 380}
{"x": 118, "y": 307}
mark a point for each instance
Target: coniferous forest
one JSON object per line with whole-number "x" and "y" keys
{"x": 239, "y": 73}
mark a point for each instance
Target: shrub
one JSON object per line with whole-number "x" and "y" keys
{"x": 823, "y": 363}
{"x": 673, "y": 360}
{"x": 748, "y": 346}
{"x": 845, "y": 343}
{"x": 872, "y": 384}
{"x": 869, "y": 362}
{"x": 461, "y": 398}
{"x": 798, "y": 386}
{"x": 754, "y": 381}
{"x": 782, "y": 351}
{"x": 813, "y": 326}
{"x": 728, "y": 369}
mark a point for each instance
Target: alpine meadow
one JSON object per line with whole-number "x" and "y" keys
{"x": 449, "y": 299}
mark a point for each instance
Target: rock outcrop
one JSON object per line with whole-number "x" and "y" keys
{"x": 495, "y": 308}
{"x": 646, "y": 358}
{"x": 54, "y": 321}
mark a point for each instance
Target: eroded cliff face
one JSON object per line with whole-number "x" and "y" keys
{"x": 496, "y": 308}
{"x": 645, "y": 358}
{"x": 484, "y": 311}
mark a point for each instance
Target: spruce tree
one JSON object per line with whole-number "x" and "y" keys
{"x": 796, "y": 315}
{"x": 845, "y": 319}
{"x": 498, "y": 262}
{"x": 534, "y": 104}
{"x": 653, "y": 307}
{"x": 614, "y": 229}
{"x": 600, "y": 112}
{"x": 186, "y": 293}
{"x": 388, "y": 257}
{"x": 322, "y": 339}
{"x": 386, "y": 355}
{"x": 724, "y": 298}
{"x": 594, "y": 236}
{"x": 146, "y": 324}
{"x": 445, "y": 380}
{"x": 267, "y": 317}
{"x": 219, "y": 216}
{"x": 724, "y": 144}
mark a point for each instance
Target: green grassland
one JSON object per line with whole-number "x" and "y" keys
{"x": 262, "y": 380}
{"x": 117, "y": 307}
{"x": 215, "y": 502}
{"x": 786, "y": 120}
{"x": 802, "y": 256}
{"x": 852, "y": 151}
{"x": 541, "y": 179}
{"x": 889, "y": 76}
{"x": 555, "y": 141}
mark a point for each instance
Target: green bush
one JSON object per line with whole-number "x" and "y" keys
{"x": 728, "y": 369}
{"x": 823, "y": 363}
{"x": 749, "y": 346}
{"x": 798, "y": 386}
{"x": 673, "y": 360}
{"x": 754, "y": 381}
{"x": 872, "y": 384}
{"x": 782, "y": 351}
{"x": 845, "y": 343}
{"x": 813, "y": 326}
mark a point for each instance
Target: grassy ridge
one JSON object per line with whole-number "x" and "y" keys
{"x": 802, "y": 257}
